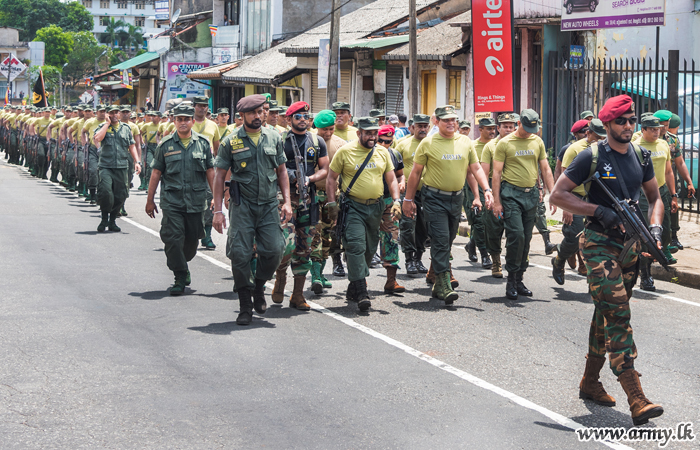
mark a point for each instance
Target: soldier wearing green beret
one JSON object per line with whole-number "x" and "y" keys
{"x": 183, "y": 163}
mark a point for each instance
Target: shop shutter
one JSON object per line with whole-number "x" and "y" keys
{"x": 394, "y": 89}
{"x": 318, "y": 96}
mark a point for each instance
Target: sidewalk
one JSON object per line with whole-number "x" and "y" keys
{"x": 686, "y": 272}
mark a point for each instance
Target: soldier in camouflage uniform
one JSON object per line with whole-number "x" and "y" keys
{"x": 610, "y": 280}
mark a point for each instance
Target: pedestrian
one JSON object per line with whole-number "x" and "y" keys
{"x": 624, "y": 169}
{"x": 401, "y": 129}
{"x": 516, "y": 162}
{"x": 343, "y": 129}
{"x": 115, "y": 144}
{"x": 183, "y": 164}
{"x": 442, "y": 162}
{"x": 363, "y": 169}
{"x": 255, "y": 157}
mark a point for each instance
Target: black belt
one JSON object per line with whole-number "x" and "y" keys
{"x": 371, "y": 201}
{"x": 521, "y": 189}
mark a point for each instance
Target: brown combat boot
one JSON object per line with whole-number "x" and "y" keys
{"x": 641, "y": 407}
{"x": 453, "y": 280}
{"x": 430, "y": 276}
{"x": 590, "y": 387}
{"x": 496, "y": 269}
{"x": 582, "y": 270}
{"x": 391, "y": 285}
{"x": 572, "y": 262}
{"x": 280, "y": 283}
{"x": 297, "y": 300}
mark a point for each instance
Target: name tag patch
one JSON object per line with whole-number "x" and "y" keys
{"x": 450, "y": 157}
{"x": 239, "y": 149}
{"x": 173, "y": 153}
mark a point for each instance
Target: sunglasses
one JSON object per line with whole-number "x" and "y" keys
{"x": 384, "y": 141}
{"x": 623, "y": 120}
{"x": 301, "y": 116}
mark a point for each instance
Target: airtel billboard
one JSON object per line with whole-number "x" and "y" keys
{"x": 492, "y": 28}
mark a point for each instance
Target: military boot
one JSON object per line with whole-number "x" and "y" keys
{"x": 93, "y": 196}
{"x": 71, "y": 185}
{"x": 486, "y": 262}
{"x": 391, "y": 286}
{"x": 647, "y": 282}
{"x": 471, "y": 250}
{"x": 675, "y": 243}
{"x": 122, "y": 212}
{"x": 280, "y": 283}
{"x": 113, "y": 223}
{"x": 411, "y": 268}
{"x": 453, "y": 281}
{"x": 206, "y": 241}
{"x": 180, "y": 281}
{"x": 558, "y": 270}
{"x": 642, "y": 408}
{"x": 511, "y": 290}
{"x": 259, "y": 303}
{"x": 590, "y": 387}
{"x": 142, "y": 186}
{"x": 430, "y": 276}
{"x": 522, "y": 290}
{"x": 338, "y": 269}
{"x": 324, "y": 281}
{"x": 496, "y": 268}
{"x": 103, "y": 224}
{"x": 297, "y": 300}
{"x": 582, "y": 270}
{"x": 316, "y": 285}
{"x": 444, "y": 291}
{"x": 350, "y": 294}
{"x": 548, "y": 246}
{"x": 362, "y": 296}
{"x": 669, "y": 256}
{"x": 188, "y": 278}
{"x": 246, "y": 307}
{"x": 419, "y": 263}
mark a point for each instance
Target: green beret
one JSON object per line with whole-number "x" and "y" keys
{"x": 675, "y": 121}
{"x": 663, "y": 115}
{"x": 324, "y": 118}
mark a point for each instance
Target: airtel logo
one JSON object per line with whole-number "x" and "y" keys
{"x": 494, "y": 31}
{"x": 489, "y": 63}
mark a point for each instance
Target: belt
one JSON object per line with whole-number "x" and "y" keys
{"x": 522, "y": 189}
{"x": 441, "y": 192}
{"x": 371, "y": 201}
{"x": 598, "y": 228}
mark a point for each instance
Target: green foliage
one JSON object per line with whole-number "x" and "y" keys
{"x": 81, "y": 61}
{"x": 133, "y": 37}
{"x": 552, "y": 158}
{"x": 32, "y": 15}
{"x": 117, "y": 56}
{"x": 113, "y": 32}
{"x": 77, "y": 18}
{"x": 59, "y": 44}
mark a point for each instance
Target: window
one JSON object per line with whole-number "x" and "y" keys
{"x": 121, "y": 5}
{"x": 258, "y": 35}
{"x": 104, "y": 21}
{"x": 140, "y": 21}
{"x": 232, "y": 12}
{"x": 455, "y": 93}
{"x": 104, "y": 4}
{"x": 87, "y": 3}
{"x": 140, "y": 5}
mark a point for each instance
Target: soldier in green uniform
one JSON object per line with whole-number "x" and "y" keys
{"x": 573, "y": 224}
{"x": 208, "y": 129}
{"x": 624, "y": 169}
{"x": 149, "y": 134}
{"x": 364, "y": 203}
{"x": 93, "y": 156}
{"x": 443, "y": 160}
{"x": 255, "y": 157}
{"x": 465, "y": 127}
{"x": 115, "y": 146}
{"x": 516, "y": 162}
{"x": 184, "y": 164}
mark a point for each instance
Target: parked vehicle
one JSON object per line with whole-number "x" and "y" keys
{"x": 571, "y": 4}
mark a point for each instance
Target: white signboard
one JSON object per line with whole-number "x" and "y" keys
{"x": 223, "y": 55}
{"x": 11, "y": 66}
{"x": 590, "y": 15}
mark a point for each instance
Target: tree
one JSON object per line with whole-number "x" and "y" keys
{"x": 59, "y": 44}
{"x": 77, "y": 18}
{"x": 133, "y": 38}
{"x": 81, "y": 61}
{"x": 116, "y": 56}
{"x": 31, "y": 15}
{"x": 113, "y": 32}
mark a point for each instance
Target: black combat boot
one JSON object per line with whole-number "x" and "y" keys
{"x": 558, "y": 270}
{"x": 419, "y": 263}
{"x": 112, "y": 226}
{"x": 548, "y": 246}
{"x": 246, "y": 307}
{"x": 511, "y": 290}
{"x": 675, "y": 244}
{"x": 361, "y": 295}
{"x": 522, "y": 290}
{"x": 103, "y": 224}
{"x": 486, "y": 262}
{"x": 259, "y": 302}
{"x": 647, "y": 283}
{"x": 338, "y": 269}
{"x": 411, "y": 268}
{"x": 471, "y": 250}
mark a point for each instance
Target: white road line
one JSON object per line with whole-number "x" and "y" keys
{"x": 556, "y": 417}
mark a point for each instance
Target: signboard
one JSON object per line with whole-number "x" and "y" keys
{"x": 581, "y": 15}
{"x": 12, "y": 67}
{"x": 324, "y": 61}
{"x": 126, "y": 79}
{"x": 577, "y": 56}
{"x": 162, "y": 10}
{"x": 493, "y": 55}
{"x": 223, "y": 55}
{"x": 179, "y": 86}
{"x": 481, "y": 115}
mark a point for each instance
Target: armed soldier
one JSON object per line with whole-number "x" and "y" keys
{"x": 39, "y": 129}
{"x": 52, "y": 132}
{"x": 612, "y": 270}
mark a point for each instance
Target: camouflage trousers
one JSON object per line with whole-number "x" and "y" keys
{"x": 298, "y": 240}
{"x": 324, "y": 240}
{"x": 389, "y": 237}
{"x": 610, "y": 284}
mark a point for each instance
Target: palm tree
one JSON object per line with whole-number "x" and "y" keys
{"x": 113, "y": 32}
{"x": 133, "y": 37}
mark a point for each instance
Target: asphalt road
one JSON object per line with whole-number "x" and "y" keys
{"x": 96, "y": 354}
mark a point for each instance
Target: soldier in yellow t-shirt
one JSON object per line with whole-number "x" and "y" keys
{"x": 443, "y": 159}
{"x": 39, "y": 128}
{"x": 343, "y": 129}
{"x": 149, "y": 135}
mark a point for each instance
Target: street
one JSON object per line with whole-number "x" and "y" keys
{"x": 97, "y": 354}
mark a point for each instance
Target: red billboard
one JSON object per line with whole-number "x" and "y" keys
{"x": 492, "y": 43}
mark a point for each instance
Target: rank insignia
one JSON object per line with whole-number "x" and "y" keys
{"x": 243, "y": 164}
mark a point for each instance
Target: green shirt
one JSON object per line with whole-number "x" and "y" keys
{"x": 520, "y": 158}
{"x": 348, "y": 134}
{"x": 370, "y": 184}
{"x": 487, "y": 154}
{"x": 184, "y": 165}
{"x": 571, "y": 153}
{"x": 446, "y": 161}
{"x": 114, "y": 148}
{"x": 660, "y": 155}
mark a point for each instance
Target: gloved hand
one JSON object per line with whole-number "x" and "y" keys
{"x": 656, "y": 233}
{"x": 607, "y": 217}
{"x": 396, "y": 211}
{"x": 332, "y": 210}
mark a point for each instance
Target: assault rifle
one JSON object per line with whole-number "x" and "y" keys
{"x": 300, "y": 175}
{"x": 635, "y": 225}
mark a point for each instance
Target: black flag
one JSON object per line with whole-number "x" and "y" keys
{"x": 39, "y": 96}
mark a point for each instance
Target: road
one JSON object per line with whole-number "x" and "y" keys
{"x": 96, "y": 354}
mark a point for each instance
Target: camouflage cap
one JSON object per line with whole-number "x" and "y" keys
{"x": 101, "y": 108}
{"x": 237, "y": 116}
{"x": 60, "y": 115}
{"x": 651, "y": 122}
{"x": 446, "y": 112}
{"x": 465, "y": 124}
{"x": 133, "y": 115}
{"x": 340, "y": 105}
{"x": 586, "y": 114}
{"x": 368, "y": 123}
{"x": 214, "y": 116}
{"x": 125, "y": 108}
{"x": 200, "y": 100}
{"x": 530, "y": 120}
{"x": 421, "y": 118}
{"x": 377, "y": 113}
{"x": 113, "y": 108}
{"x": 186, "y": 110}
{"x": 157, "y": 113}
{"x": 487, "y": 122}
{"x": 507, "y": 117}
{"x": 222, "y": 111}
{"x": 274, "y": 106}
{"x": 141, "y": 115}
{"x": 596, "y": 126}
{"x": 87, "y": 108}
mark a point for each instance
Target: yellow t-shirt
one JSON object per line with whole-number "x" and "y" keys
{"x": 149, "y": 132}
{"x": 348, "y": 134}
{"x": 407, "y": 150}
{"x": 77, "y": 126}
{"x": 41, "y": 125}
{"x": 209, "y": 129}
{"x": 370, "y": 183}
{"x": 487, "y": 154}
{"x": 91, "y": 127}
{"x": 255, "y": 137}
{"x": 134, "y": 129}
{"x": 55, "y": 126}
{"x": 660, "y": 154}
{"x": 446, "y": 161}
{"x": 479, "y": 147}
{"x": 637, "y": 136}
{"x": 571, "y": 153}
{"x": 185, "y": 142}
{"x": 520, "y": 158}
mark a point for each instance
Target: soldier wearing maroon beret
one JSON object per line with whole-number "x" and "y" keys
{"x": 624, "y": 168}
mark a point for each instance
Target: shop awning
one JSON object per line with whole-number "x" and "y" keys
{"x": 213, "y": 72}
{"x": 137, "y": 61}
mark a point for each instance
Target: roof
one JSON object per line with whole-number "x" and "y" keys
{"x": 137, "y": 61}
{"x": 213, "y": 72}
{"x": 438, "y": 43}
{"x": 267, "y": 67}
{"x": 646, "y": 85}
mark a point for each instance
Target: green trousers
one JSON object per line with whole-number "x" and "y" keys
{"x": 570, "y": 244}
{"x": 519, "y": 214}
{"x": 476, "y": 222}
{"x": 389, "y": 237}
{"x": 112, "y": 189}
{"x": 441, "y": 214}
{"x": 147, "y": 160}
{"x": 180, "y": 232}
{"x": 249, "y": 224}
{"x": 666, "y": 223}
{"x": 361, "y": 237}
{"x": 541, "y": 219}
{"x": 412, "y": 233}
{"x": 93, "y": 171}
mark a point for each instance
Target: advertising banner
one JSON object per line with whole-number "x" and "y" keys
{"x": 179, "y": 86}
{"x": 162, "y": 10}
{"x": 594, "y": 14}
{"x": 493, "y": 55}
{"x": 222, "y": 55}
{"x": 12, "y": 67}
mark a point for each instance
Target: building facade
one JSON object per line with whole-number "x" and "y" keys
{"x": 140, "y": 13}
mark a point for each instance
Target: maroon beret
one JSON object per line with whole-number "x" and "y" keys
{"x": 297, "y": 107}
{"x": 250, "y": 103}
{"x": 616, "y": 107}
{"x": 579, "y": 125}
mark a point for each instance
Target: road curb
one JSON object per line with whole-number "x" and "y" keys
{"x": 681, "y": 277}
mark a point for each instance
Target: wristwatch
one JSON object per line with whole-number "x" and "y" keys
{"x": 674, "y": 195}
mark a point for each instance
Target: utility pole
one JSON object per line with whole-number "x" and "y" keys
{"x": 412, "y": 60}
{"x": 332, "y": 87}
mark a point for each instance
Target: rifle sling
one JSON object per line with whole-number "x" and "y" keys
{"x": 620, "y": 178}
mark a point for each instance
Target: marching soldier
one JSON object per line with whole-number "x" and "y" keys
{"x": 222, "y": 116}
{"x": 210, "y": 131}
{"x": 343, "y": 129}
{"x": 446, "y": 157}
{"x": 52, "y": 132}
{"x": 273, "y": 117}
{"x": 516, "y": 162}
{"x": 115, "y": 144}
{"x": 183, "y": 163}
{"x": 88, "y": 135}
{"x": 362, "y": 169}
{"x": 149, "y": 134}
{"x": 255, "y": 157}
{"x": 378, "y": 114}
{"x": 625, "y": 169}
{"x": 39, "y": 128}
{"x": 465, "y": 127}
{"x": 580, "y": 131}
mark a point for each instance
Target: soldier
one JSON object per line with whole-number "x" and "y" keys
{"x": 282, "y": 120}
{"x": 273, "y": 117}
{"x": 300, "y": 231}
{"x": 255, "y": 157}
{"x": 465, "y": 127}
{"x": 587, "y": 115}
{"x": 88, "y": 135}
{"x": 378, "y": 114}
{"x": 343, "y": 129}
{"x": 362, "y": 169}
{"x": 52, "y": 132}
{"x": 222, "y": 123}
{"x": 580, "y": 131}
{"x": 125, "y": 117}
{"x": 183, "y": 162}
{"x": 625, "y": 169}
{"x": 474, "y": 208}
{"x": 82, "y": 152}
{"x": 573, "y": 224}
{"x": 446, "y": 156}
{"x": 149, "y": 134}
{"x": 115, "y": 144}
{"x": 325, "y": 242}
{"x": 39, "y": 128}
{"x": 413, "y": 234}
{"x": 238, "y": 120}
{"x": 515, "y": 170}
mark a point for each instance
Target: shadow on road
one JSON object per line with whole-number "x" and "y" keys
{"x": 225, "y": 328}
{"x": 553, "y": 426}
{"x": 565, "y": 295}
{"x": 513, "y": 303}
{"x": 89, "y": 233}
{"x": 434, "y": 305}
{"x": 157, "y": 295}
